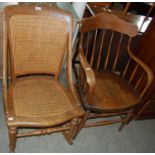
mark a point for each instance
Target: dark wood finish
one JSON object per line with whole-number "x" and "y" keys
{"x": 108, "y": 89}
{"x": 136, "y": 19}
{"x": 41, "y": 115}
{"x": 145, "y": 50}
{"x": 145, "y": 53}
{"x": 100, "y": 4}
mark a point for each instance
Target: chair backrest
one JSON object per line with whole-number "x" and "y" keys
{"x": 103, "y": 36}
{"x": 106, "y": 41}
{"x": 37, "y": 38}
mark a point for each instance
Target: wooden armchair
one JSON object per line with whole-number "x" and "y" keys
{"x": 35, "y": 41}
{"x": 111, "y": 80}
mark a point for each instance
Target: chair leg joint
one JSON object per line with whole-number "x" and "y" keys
{"x": 70, "y": 133}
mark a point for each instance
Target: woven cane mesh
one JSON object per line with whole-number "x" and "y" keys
{"x": 38, "y": 43}
{"x": 40, "y": 98}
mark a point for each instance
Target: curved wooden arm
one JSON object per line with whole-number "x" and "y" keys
{"x": 144, "y": 66}
{"x": 90, "y": 77}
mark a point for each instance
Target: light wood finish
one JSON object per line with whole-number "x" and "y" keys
{"x": 111, "y": 90}
{"x": 12, "y": 138}
{"x": 37, "y": 39}
{"x": 41, "y": 132}
{"x": 1, "y": 43}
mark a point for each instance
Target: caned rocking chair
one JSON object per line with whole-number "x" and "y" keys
{"x": 35, "y": 41}
{"x": 111, "y": 79}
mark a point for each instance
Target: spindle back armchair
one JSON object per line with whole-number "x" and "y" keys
{"x": 111, "y": 80}
{"x": 35, "y": 41}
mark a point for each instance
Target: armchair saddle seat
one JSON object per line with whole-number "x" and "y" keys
{"x": 112, "y": 93}
{"x": 40, "y": 100}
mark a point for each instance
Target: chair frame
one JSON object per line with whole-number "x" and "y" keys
{"x": 106, "y": 21}
{"x": 67, "y": 128}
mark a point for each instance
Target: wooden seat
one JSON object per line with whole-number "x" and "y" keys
{"x": 108, "y": 84}
{"x": 36, "y": 39}
{"x": 111, "y": 94}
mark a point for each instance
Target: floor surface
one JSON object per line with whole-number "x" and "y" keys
{"x": 138, "y": 136}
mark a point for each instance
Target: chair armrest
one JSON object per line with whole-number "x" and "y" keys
{"x": 90, "y": 77}
{"x": 148, "y": 71}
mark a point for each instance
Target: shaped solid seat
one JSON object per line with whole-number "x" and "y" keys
{"x": 112, "y": 93}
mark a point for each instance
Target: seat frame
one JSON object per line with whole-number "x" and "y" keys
{"x": 68, "y": 127}
{"x": 86, "y": 77}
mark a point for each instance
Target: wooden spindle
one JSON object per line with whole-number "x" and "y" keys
{"x": 101, "y": 123}
{"x": 117, "y": 54}
{"x": 101, "y": 46}
{"x": 133, "y": 73}
{"x": 42, "y": 132}
{"x": 108, "y": 53}
{"x": 127, "y": 65}
{"x": 126, "y": 9}
{"x": 87, "y": 45}
{"x": 91, "y": 116}
{"x": 93, "y": 52}
{"x": 143, "y": 92}
{"x": 139, "y": 80}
